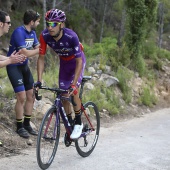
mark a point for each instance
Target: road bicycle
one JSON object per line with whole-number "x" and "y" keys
{"x": 49, "y": 131}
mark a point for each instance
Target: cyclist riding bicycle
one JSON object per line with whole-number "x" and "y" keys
{"x": 65, "y": 43}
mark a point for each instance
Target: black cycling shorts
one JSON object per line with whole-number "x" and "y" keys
{"x": 20, "y": 77}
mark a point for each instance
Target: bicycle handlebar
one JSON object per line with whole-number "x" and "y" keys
{"x": 57, "y": 90}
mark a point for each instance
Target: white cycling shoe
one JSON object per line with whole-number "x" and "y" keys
{"x": 76, "y": 131}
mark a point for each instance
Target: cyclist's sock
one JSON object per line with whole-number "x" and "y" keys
{"x": 27, "y": 119}
{"x": 78, "y": 117}
{"x": 19, "y": 123}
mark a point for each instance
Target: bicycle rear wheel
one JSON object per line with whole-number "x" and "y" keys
{"x": 48, "y": 138}
{"x": 91, "y": 122}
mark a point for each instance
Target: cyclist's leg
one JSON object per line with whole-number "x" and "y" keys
{"x": 68, "y": 109}
{"x": 78, "y": 126}
{"x": 77, "y": 108}
{"x": 66, "y": 75}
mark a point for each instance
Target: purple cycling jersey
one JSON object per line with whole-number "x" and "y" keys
{"x": 68, "y": 49}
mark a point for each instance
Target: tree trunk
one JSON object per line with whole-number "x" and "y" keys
{"x": 44, "y": 11}
{"x": 54, "y": 3}
{"x": 161, "y": 23}
{"x": 70, "y": 6}
{"x": 101, "y": 34}
{"x": 122, "y": 28}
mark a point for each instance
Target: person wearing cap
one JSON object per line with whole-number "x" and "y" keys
{"x": 65, "y": 43}
{"x": 24, "y": 40}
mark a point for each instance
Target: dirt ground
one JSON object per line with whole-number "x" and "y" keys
{"x": 13, "y": 144}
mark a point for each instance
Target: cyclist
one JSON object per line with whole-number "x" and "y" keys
{"x": 66, "y": 44}
{"x": 25, "y": 41}
{"x": 5, "y": 24}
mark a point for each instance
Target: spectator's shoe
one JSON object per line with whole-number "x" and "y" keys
{"x": 23, "y": 133}
{"x": 76, "y": 131}
{"x": 30, "y": 130}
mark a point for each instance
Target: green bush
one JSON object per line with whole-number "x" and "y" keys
{"x": 139, "y": 65}
{"x": 148, "y": 98}
{"x": 163, "y": 53}
{"x": 106, "y": 52}
{"x": 3, "y": 73}
{"x": 8, "y": 92}
{"x": 124, "y": 75}
{"x": 104, "y": 98}
{"x": 149, "y": 50}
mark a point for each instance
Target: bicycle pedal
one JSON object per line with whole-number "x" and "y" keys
{"x": 85, "y": 128}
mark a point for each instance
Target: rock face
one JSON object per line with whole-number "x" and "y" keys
{"x": 109, "y": 80}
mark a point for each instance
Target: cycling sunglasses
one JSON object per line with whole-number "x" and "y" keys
{"x": 52, "y": 24}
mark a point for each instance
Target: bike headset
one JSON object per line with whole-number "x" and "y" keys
{"x": 56, "y": 15}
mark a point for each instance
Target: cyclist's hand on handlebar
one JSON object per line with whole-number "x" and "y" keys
{"x": 72, "y": 90}
{"x": 37, "y": 84}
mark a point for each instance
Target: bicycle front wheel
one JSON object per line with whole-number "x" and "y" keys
{"x": 91, "y": 122}
{"x": 48, "y": 138}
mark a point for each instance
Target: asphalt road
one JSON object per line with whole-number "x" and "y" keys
{"x": 138, "y": 144}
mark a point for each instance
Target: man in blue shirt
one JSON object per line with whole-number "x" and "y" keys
{"x": 25, "y": 41}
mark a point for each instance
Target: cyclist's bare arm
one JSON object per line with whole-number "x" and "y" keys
{"x": 40, "y": 66}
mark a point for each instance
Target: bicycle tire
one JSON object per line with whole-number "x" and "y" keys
{"x": 85, "y": 145}
{"x": 48, "y": 139}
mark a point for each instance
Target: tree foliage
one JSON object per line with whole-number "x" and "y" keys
{"x": 141, "y": 15}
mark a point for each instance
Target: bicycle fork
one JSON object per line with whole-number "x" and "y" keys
{"x": 55, "y": 126}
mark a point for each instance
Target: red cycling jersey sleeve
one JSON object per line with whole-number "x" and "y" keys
{"x": 43, "y": 46}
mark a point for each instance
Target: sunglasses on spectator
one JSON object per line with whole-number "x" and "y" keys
{"x": 9, "y": 22}
{"x": 52, "y": 24}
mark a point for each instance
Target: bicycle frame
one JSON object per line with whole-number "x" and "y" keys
{"x": 49, "y": 132}
{"x": 61, "y": 112}
{"x": 63, "y": 115}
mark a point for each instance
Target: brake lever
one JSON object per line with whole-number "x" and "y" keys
{"x": 36, "y": 95}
